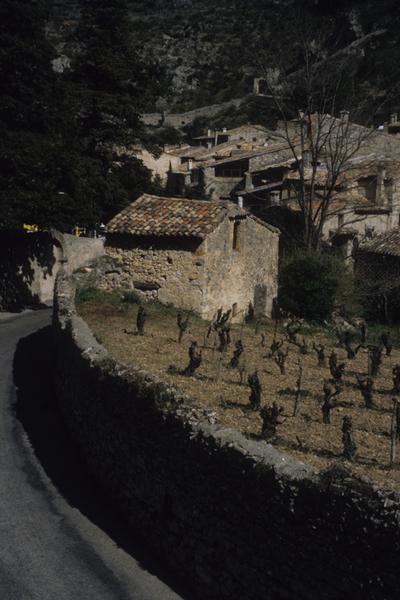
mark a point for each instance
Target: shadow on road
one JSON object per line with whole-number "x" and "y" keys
{"x": 36, "y": 408}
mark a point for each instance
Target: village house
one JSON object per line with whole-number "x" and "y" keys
{"x": 216, "y": 165}
{"x": 377, "y": 266}
{"x": 221, "y": 170}
{"x": 197, "y": 255}
{"x": 393, "y": 127}
{"x": 179, "y": 164}
{"x": 365, "y": 199}
{"x": 256, "y": 134}
{"x": 259, "y": 170}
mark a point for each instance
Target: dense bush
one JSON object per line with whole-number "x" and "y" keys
{"x": 309, "y": 284}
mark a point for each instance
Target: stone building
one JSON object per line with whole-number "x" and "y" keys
{"x": 256, "y": 134}
{"x": 198, "y": 255}
{"x": 365, "y": 197}
{"x": 377, "y": 266}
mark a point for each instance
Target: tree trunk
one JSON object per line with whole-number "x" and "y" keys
{"x": 393, "y": 433}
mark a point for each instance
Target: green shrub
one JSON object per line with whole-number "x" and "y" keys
{"x": 308, "y": 285}
{"x": 349, "y": 295}
{"x": 88, "y": 294}
{"x": 131, "y": 297}
{"x": 92, "y": 294}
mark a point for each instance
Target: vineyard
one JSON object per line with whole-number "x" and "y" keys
{"x": 334, "y": 393}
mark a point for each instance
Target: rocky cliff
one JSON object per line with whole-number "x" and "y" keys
{"x": 211, "y": 51}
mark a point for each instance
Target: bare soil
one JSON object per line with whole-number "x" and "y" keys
{"x": 218, "y": 387}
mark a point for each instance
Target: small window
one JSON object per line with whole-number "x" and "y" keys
{"x": 234, "y": 309}
{"x": 236, "y": 235}
{"x": 340, "y": 220}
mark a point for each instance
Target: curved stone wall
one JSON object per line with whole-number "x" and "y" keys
{"x": 29, "y": 263}
{"x": 234, "y": 517}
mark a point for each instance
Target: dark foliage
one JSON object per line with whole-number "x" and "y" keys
{"x": 61, "y": 134}
{"x": 308, "y": 285}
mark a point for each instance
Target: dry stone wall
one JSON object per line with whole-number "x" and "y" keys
{"x": 232, "y": 516}
{"x": 172, "y": 271}
{"x": 178, "y": 120}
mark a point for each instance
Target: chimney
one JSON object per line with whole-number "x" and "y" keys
{"x": 306, "y": 159}
{"x": 209, "y": 133}
{"x": 380, "y": 186}
{"x": 240, "y": 201}
{"x": 393, "y": 118}
{"x": 249, "y": 181}
{"x": 190, "y": 164}
{"x": 224, "y": 130}
{"x": 300, "y": 114}
{"x": 256, "y": 86}
{"x": 275, "y": 197}
{"x": 344, "y": 115}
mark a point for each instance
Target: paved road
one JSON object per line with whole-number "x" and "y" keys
{"x": 48, "y": 549}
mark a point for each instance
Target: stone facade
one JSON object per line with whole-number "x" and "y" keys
{"x": 159, "y": 165}
{"x": 203, "y": 276}
{"x": 170, "y": 270}
{"x": 245, "y": 275}
{"x": 217, "y": 187}
{"x": 377, "y": 267}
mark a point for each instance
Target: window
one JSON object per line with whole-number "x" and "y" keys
{"x": 229, "y": 173}
{"x": 236, "y": 236}
{"x": 340, "y": 220}
{"x": 234, "y": 309}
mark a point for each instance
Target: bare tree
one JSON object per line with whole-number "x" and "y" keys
{"x": 324, "y": 140}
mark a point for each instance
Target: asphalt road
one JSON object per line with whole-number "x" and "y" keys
{"x": 59, "y": 539}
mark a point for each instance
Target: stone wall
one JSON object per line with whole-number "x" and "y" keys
{"x": 158, "y": 165}
{"x": 246, "y": 275}
{"x": 359, "y": 223}
{"x": 28, "y": 266}
{"x": 78, "y": 251}
{"x": 171, "y": 270}
{"x": 378, "y": 280}
{"x": 216, "y": 188}
{"x": 202, "y": 276}
{"x": 29, "y": 263}
{"x": 232, "y": 516}
{"x": 178, "y": 120}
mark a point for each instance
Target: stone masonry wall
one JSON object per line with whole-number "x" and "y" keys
{"x": 29, "y": 263}
{"x": 250, "y": 273}
{"x": 181, "y": 119}
{"x": 217, "y": 188}
{"x": 175, "y": 268}
{"x": 232, "y": 516}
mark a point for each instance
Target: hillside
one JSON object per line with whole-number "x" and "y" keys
{"x": 206, "y": 52}
{"x": 79, "y": 74}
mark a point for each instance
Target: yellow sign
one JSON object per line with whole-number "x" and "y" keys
{"x": 30, "y": 228}
{"x": 78, "y": 231}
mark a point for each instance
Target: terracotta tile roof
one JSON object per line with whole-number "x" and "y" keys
{"x": 385, "y": 243}
{"x": 160, "y": 216}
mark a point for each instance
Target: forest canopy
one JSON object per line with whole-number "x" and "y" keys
{"x": 59, "y": 131}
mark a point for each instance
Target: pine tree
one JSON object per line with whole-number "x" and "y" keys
{"x": 27, "y": 118}
{"x": 61, "y": 134}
